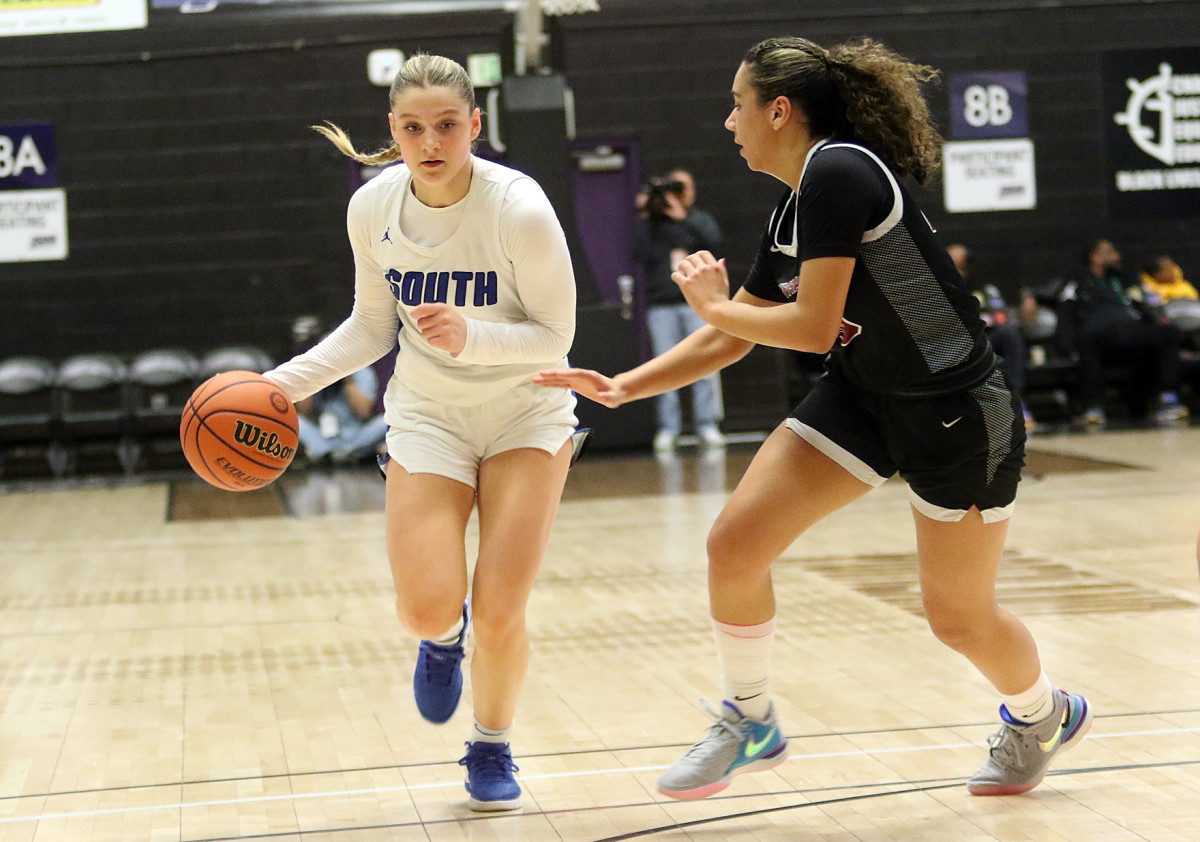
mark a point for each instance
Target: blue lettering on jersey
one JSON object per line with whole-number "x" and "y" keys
{"x": 485, "y": 289}
{"x": 435, "y": 287}
{"x": 411, "y": 288}
{"x": 460, "y": 287}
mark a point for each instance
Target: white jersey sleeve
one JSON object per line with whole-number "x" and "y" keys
{"x": 366, "y": 335}
{"x": 533, "y": 241}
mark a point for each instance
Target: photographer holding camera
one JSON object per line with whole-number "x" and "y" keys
{"x": 669, "y": 229}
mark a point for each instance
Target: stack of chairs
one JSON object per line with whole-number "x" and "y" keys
{"x": 29, "y": 418}
{"x": 93, "y": 417}
{"x": 234, "y": 358}
{"x": 160, "y": 383}
{"x": 100, "y": 413}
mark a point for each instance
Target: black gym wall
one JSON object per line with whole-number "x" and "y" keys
{"x": 203, "y": 211}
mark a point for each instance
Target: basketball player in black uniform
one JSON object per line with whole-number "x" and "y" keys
{"x": 849, "y": 265}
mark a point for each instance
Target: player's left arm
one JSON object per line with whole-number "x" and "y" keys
{"x": 811, "y": 322}
{"x": 843, "y": 195}
{"x": 534, "y": 241}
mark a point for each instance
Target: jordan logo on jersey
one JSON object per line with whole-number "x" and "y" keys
{"x": 848, "y": 331}
{"x": 413, "y": 288}
{"x": 387, "y": 236}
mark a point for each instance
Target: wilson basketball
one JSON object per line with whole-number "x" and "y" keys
{"x": 239, "y": 431}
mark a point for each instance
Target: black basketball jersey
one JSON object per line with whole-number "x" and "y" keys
{"x": 910, "y": 325}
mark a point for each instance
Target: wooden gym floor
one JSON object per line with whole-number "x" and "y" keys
{"x": 179, "y": 664}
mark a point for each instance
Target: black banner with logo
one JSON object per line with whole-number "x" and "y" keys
{"x": 1152, "y": 133}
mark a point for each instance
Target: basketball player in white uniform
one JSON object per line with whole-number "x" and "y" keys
{"x": 463, "y": 263}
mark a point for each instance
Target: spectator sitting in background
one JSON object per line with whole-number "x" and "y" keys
{"x": 1006, "y": 336}
{"x": 1107, "y": 322}
{"x": 1163, "y": 278}
{"x": 340, "y": 422}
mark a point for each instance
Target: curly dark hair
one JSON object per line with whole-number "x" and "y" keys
{"x": 859, "y": 91}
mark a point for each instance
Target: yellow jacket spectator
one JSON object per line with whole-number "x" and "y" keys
{"x": 1163, "y": 277}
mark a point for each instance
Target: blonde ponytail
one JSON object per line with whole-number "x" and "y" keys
{"x": 341, "y": 140}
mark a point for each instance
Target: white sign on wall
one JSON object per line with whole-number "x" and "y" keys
{"x": 1153, "y": 134}
{"x": 42, "y": 17}
{"x": 33, "y": 225}
{"x": 989, "y": 175}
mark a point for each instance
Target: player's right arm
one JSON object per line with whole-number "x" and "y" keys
{"x": 370, "y": 330}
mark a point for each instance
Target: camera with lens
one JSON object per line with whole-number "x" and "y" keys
{"x": 656, "y": 195}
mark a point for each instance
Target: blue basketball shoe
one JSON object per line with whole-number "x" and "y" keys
{"x": 437, "y": 680}
{"x": 735, "y": 744}
{"x": 490, "y": 783}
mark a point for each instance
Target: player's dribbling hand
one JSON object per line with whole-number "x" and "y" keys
{"x": 442, "y": 327}
{"x": 583, "y": 381}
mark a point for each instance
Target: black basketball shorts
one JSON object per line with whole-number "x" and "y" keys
{"x": 955, "y": 451}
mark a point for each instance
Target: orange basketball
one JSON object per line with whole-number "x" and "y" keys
{"x": 239, "y": 431}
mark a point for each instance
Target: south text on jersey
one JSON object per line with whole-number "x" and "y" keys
{"x": 413, "y": 288}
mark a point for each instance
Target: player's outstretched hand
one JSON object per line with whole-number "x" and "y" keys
{"x": 583, "y": 381}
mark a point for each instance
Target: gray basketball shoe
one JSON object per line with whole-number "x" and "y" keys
{"x": 735, "y": 744}
{"x": 1020, "y": 753}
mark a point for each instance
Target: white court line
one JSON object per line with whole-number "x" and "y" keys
{"x": 341, "y": 793}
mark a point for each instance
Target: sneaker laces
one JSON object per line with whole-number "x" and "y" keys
{"x": 1002, "y": 745}
{"x": 720, "y": 732}
{"x": 441, "y": 664}
{"x": 489, "y": 761}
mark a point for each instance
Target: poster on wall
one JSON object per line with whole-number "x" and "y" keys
{"x": 989, "y": 105}
{"x": 988, "y": 175}
{"x": 989, "y": 165}
{"x": 33, "y": 225}
{"x": 209, "y": 5}
{"x": 1151, "y": 109}
{"x": 44, "y": 17}
{"x": 27, "y": 156}
{"x": 33, "y": 209}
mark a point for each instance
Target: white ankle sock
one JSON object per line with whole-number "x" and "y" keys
{"x": 451, "y": 636}
{"x": 479, "y": 734}
{"x": 745, "y": 656}
{"x": 1035, "y": 704}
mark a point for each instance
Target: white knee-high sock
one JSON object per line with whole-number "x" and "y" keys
{"x": 745, "y": 656}
{"x": 1035, "y": 704}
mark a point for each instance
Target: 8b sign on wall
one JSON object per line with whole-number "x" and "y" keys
{"x": 989, "y": 163}
{"x": 33, "y": 208}
{"x": 988, "y": 105}
{"x": 27, "y": 157}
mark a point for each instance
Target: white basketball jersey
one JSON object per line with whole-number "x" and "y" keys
{"x": 505, "y": 268}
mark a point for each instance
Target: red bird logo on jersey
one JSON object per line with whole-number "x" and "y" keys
{"x": 848, "y": 331}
